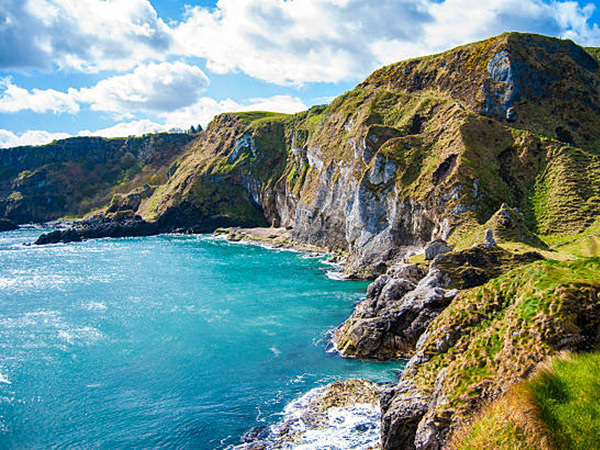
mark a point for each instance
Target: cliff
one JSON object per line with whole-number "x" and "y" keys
{"x": 423, "y": 149}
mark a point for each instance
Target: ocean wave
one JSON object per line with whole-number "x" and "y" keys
{"x": 336, "y": 275}
{"x": 4, "y": 380}
{"x": 47, "y": 328}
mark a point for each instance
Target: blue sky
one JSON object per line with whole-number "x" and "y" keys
{"x": 121, "y": 67}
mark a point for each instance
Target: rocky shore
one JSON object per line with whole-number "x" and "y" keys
{"x": 346, "y": 413}
{"x": 280, "y": 238}
{"x": 123, "y": 225}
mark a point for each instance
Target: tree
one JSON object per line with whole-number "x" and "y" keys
{"x": 194, "y": 130}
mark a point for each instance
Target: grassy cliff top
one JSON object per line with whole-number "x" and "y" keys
{"x": 492, "y": 336}
{"x": 548, "y": 84}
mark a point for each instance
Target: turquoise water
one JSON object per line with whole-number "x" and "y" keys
{"x": 171, "y": 341}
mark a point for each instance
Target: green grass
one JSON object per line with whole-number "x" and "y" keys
{"x": 559, "y": 408}
{"x": 568, "y": 397}
{"x": 253, "y": 116}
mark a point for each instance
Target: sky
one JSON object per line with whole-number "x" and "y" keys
{"x": 129, "y": 67}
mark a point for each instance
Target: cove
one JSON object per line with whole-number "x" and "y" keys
{"x": 173, "y": 341}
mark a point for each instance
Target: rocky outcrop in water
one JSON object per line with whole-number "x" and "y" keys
{"x": 402, "y": 303}
{"x": 7, "y": 225}
{"x": 396, "y": 312}
{"x": 344, "y": 412}
{"x": 119, "y": 225}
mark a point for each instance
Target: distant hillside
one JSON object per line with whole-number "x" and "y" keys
{"x": 72, "y": 177}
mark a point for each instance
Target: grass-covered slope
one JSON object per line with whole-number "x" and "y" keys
{"x": 222, "y": 176}
{"x": 495, "y": 335}
{"x": 559, "y": 408}
{"x": 526, "y": 72}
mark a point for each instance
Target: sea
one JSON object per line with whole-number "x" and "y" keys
{"x": 170, "y": 341}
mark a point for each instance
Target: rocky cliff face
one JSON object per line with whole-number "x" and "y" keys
{"x": 423, "y": 149}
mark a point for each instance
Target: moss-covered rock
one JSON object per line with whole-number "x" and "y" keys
{"x": 476, "y": 265}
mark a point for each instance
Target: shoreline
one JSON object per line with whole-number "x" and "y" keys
{"x": 305, "y": 420}
{"x": 280, "y": 239}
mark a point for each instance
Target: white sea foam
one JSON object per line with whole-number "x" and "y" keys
{"x": 353, "y": 427}
{"x": 80, "y": 336}
{"x": 336, "y": 275}
{"x": 275, "y": 351}
{"x": 96, "y": 306}
{"x": 48, "y": 328}
{"x": 356, "y": 426}
{"x": 4, "y": 380}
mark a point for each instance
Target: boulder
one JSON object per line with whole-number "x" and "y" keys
{"x": 389, "y": 322}
{"x": 436, "y": 248}
{"x": 489, "y": 240}
{"x": 403, "y": 406}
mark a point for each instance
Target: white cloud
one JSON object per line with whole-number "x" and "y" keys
{"x": 149, "y": 88}
{"x": 457, "y": 22}
{"x": 14, "y": 98}
{"x": 280, "y": 41}
{"x": 134, "y": 128}
{"x": 202, "y": 112}
{"x": 31, "y": 137}
{"x": 301, "y": 41}
{"x": 86, "y": 35}
{"x": 156, "y": 88}
{"x": 575, "y": 21}
{"x": 294, "y": 42}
